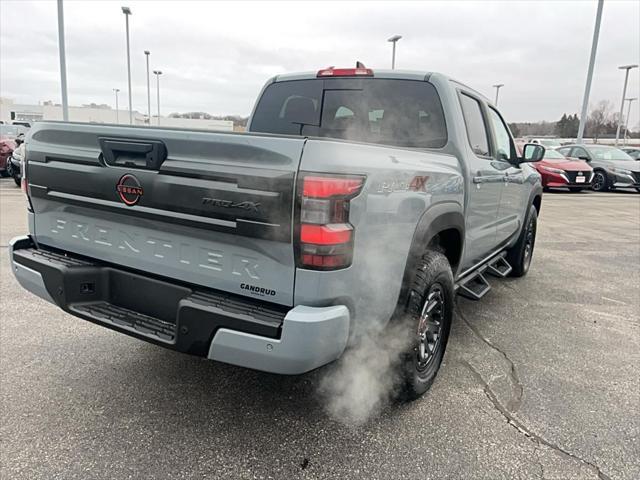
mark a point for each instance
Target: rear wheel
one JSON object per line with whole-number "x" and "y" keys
{"x": 17, "y": 180}
{"x": 575, "y": 189}
{"x": 600, "y": 181}
{"x": 428, "y": 317}
{"x": 519, "y": 256}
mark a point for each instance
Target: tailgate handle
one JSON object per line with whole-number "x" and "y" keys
{"x": 143, "y": 154}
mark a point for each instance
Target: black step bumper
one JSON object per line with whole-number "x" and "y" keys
{"x": 178, "y": 316}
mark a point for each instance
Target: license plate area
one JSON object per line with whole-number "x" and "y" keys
{"x": 580, "y": 179}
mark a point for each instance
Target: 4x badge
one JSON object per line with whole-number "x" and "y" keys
{"x": 417, "y": 184}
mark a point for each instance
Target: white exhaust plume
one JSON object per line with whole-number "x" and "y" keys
{"x": 367, "y": 377}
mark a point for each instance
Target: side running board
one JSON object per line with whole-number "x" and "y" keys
{"x": 500, "y": 267}
{"x": 474, "y": 286}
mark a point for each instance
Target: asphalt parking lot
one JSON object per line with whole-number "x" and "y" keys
{"x": 541, "y": 380}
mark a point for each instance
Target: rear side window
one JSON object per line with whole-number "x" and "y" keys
{"x": 404, "y": 113}
{"x": 286, "y": 107}
{"x": 476, "y": 128}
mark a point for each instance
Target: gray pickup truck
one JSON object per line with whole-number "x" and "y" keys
{"x": 356, "y": 200}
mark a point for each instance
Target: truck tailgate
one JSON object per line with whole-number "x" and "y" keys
{"x": 212, "y": 209}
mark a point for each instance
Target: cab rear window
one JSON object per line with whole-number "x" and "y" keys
{"x": 405, "y": 113}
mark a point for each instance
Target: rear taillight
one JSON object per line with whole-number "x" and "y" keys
{"x": 325, "y": 236}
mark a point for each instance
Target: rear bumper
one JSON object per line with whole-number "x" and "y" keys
{"x": 204, "y": 322}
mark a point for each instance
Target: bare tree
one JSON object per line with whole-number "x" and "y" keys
{"x": 598, "y": 119}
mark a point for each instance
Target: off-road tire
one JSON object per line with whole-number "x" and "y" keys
{"x": 432, "y": 276}
{"x": 519, "y": 256}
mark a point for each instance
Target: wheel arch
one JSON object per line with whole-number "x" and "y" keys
{"x": 441, "y": 227}
{"x": 537, "y": 202}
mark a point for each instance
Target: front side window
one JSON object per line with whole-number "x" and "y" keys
{"x": 405, "y": 113}
{"x": 504, "y": 146}
{"x": 610, "y": 153}
{"x": 579, "y": 152}
{"x": 476, "y": 128}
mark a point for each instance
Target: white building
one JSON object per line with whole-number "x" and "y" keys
{"x": 14, "y": 112}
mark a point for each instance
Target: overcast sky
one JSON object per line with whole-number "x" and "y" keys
{"x": 216, "y": 56}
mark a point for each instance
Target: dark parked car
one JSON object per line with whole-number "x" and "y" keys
{"x": 612, "y": 168}
{"x": 633, "y": 152}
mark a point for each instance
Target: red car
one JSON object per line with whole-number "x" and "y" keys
{"x": 8, "y": 133}
{"x": 7, "y": 146}
{"x": 558, "y": 171}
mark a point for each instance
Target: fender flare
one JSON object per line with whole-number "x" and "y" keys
{"x": 437, "y": 218}
{"x": 535, "y": 192}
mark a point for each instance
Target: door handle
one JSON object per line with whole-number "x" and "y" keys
{"x": 488, "y": 178}
{"x": 133, "y": 153}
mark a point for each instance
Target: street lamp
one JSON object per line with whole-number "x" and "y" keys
{"x": 626, "y": 120}
{"x": 63, "y": 62}
{"x": 157, "y": 73}
{"x": 624, "y": 94}
{"x": 147, "y": 53}
{"x": 497, "y": 86}
{"x": 116, "y": 90}
{"x": 127, "y": 12}
{"x": 394, "y": 40}
{"x": 592, "y": 61}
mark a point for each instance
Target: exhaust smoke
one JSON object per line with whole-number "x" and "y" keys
{"x": 368, "y": 376}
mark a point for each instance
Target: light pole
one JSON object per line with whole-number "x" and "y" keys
{"x": 116, "y": 90}
{"x": 127, "y": 12}
{"x": 147, "y": 53}
{"x": 624, "y": 94}
{"x": 157, "y": 73}
{"x": 394, "y": 40}
{"x": 592, "y": 61}
{"x": 63, "y": 62}
{"x": 497, "y": 87}
{"x": 626, "y": 120}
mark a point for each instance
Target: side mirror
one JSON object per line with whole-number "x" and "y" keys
{"x": 532, "y": 152}
{"x": 586, "y": 159}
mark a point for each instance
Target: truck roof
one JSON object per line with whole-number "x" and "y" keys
{"x": 421, "y": 75}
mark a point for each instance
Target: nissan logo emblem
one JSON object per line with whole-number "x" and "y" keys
{"x": 129, "y": 189}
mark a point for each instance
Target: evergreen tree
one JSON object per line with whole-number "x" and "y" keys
{"x": 561, "y": 126}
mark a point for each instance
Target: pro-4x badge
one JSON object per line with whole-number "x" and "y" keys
{"x": 246, "y": 205}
